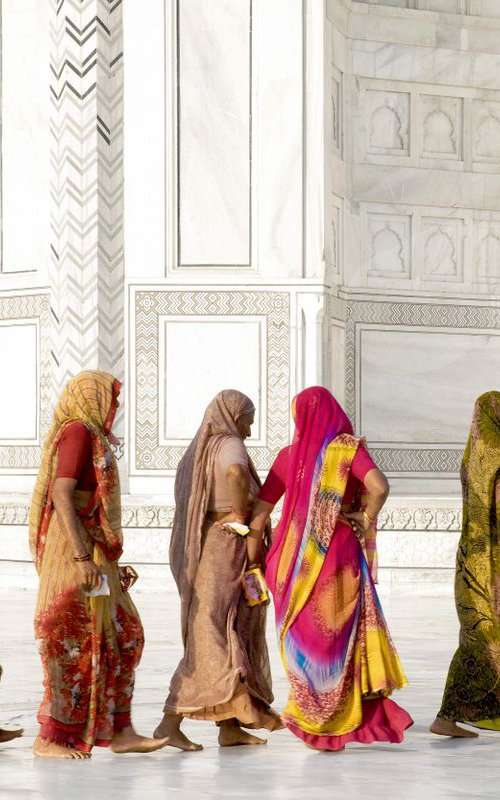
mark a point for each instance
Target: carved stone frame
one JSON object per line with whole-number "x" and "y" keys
{"x": 416, "y": 459}
{"x": 18, "y": 457}
{"x": 150, "y": 306}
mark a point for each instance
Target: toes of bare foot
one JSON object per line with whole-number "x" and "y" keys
{"x": 176, "y": 738}
{"x": 181, "y": 741}
{"x": 137, "y": 744}
{"x": 235, "y": 738}
{"x": 45, "y": 749}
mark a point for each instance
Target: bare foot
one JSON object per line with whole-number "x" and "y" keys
{"x": 448, "y": 727}
{"x": 7, "y": 736}
{"x": 128, "y": 741}
{"x": 231, "y": 735}
{"x": 45, "y": 749}
{"x": 169, "y": 728}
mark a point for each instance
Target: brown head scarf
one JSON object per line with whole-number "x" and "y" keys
{"x": 193, "y": 484}
{"x": 89, "y": 397}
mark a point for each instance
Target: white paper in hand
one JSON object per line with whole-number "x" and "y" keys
{"x": 103, "y": 590}
{"x": 237, "y": 527}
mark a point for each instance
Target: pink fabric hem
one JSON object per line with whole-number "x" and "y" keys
{"x": 383, "y": 721}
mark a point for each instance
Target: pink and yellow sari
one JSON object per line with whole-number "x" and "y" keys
{"x": 334, "y": 641}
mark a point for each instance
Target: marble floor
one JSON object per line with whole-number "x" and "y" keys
{"x": 424, "y": 767}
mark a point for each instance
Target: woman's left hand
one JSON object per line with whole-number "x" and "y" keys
{"x": 225, "y": 523}
{"x": 358, "y": 522}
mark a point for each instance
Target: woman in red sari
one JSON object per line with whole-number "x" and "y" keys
{"x": 89, "y": 645}
{"x": 334, "y": 641}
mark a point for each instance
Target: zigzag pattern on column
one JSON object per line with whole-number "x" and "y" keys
{"x": 87, "y": 186}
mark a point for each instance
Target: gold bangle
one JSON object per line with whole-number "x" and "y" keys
{"x": 370, "y": 520}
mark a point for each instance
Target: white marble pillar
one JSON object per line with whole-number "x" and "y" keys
{"x": 86, "y": 94}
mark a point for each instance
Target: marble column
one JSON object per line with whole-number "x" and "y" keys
{"x": 86, "y": 187}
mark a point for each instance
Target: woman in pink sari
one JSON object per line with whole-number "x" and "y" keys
{"x": 334, "y": 641}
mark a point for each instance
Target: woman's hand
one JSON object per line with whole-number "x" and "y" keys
{"x": 225, "y": 522}
{"x": 90, "y": 575}
{"x": 358, "y": 521}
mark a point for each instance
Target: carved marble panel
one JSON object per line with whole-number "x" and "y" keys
{"x": 214, "y": 127}
{"x": 394, "y": 3}
{"x": 150, "y": 452}
{"x": 337, "y": 110}
{"x": 19, "y": 344}
{"x": 20, "y": 456}
{"x": 387, "y": 122}
{"x": 26, "y": 132}
{"x": 442, "y": 248}
{"x": 459, "y": 319}
{"x": 389, "y": 237}
{"x": 334, "y": 241}
{"x": 186, "y": 341}
{"x": 486, "y": 131}
{"x": 484, "y": 8}
{"x": 443, "y": 6}
{"x": 487, "y": 252}
{"x": 410, "y": 392}
{"x": 441, "y": 127}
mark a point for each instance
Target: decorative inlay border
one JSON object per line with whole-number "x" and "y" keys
{"x": 31, "y": 306}
{"x": 133, "y": 516}
{"x": 397, "y": 518}
{"x": 424, "y": 518}
{"x": 150, "y": 305}
{"x": 400, "y": 459}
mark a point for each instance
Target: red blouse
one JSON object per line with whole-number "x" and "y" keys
{"x": 75, "y": 456}
{"x": 275, "y": 483}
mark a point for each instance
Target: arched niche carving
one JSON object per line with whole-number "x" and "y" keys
{"x": 488, "y": 256}
{"x": 487, "y": 138}
{"x": 387, "y": 251}
{"x": 386, "y": 129}
{"x": 440, "y": 255}
{"x": 439, "y": 133}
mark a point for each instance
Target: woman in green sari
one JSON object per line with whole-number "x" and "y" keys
{"x": 472, "y": 692}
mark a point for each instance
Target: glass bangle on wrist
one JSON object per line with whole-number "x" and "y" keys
{"x": 367, "y": 516}
{"x": 239, "y": 517}
{"x": 86, "y": 557}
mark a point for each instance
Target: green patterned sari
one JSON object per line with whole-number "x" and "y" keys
{"x": 472, "y": 692}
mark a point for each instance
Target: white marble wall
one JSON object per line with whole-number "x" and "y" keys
{"x": 311, "y": 195}
{"x": 413, "y": 175}
{"x": 25, "y": 138}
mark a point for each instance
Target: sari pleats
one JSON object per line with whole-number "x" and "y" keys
{"x": 89, "y": 646}
{"x": 225, "y": 672}
{"x": 471, "y": 693}
{"x": 335, "y": 644}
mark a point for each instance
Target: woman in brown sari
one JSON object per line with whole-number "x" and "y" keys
{"x": 224, "y": 675}
{"x": 89, "y": 645}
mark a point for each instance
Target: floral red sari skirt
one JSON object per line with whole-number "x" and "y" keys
{"x": 89, "y": 647}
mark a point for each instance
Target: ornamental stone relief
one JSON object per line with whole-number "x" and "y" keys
{"x": 487, "y": 132}
{"x": 441, "y": 121}
{"x": 150, "y": 305}
{"x": 487, "y": 251}
{"x": 388, "y": 122}
{"x": 389, "y": 245}
{"x": 442, "y": 248}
